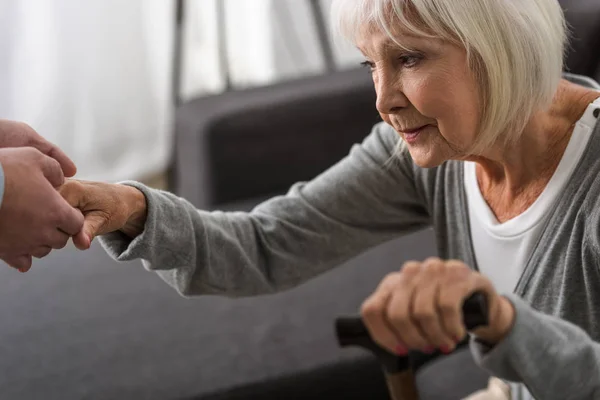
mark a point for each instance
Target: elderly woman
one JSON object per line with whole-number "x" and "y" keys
{"x": 482, "y": 138}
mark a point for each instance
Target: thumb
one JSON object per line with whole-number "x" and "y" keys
{"x": 94, "y": 225}
{"x": 81, "y": 241}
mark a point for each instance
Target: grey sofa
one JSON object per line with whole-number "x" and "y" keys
{"x": 80, "y": 326}
{"x": 583, "y": 17}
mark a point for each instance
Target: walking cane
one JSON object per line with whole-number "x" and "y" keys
{"x": 351, "y": 331}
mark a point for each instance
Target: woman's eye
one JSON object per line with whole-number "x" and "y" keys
{"x": 368, "y": 64}
{"x": 406, "y": 61}
{"x": 409, "y": 60}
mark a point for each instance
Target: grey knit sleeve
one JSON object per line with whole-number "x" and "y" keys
{"x": 554, "y": 359}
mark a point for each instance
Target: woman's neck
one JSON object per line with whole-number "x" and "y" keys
{"x": 515, "y": 175}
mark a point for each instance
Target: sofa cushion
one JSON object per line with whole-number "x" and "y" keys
{"x": 80, "y": 325}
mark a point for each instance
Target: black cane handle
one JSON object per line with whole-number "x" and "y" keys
{"x": 351, "y": 331}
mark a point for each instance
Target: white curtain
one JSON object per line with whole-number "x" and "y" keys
{"x": 267, "y": 41}
{"x": 92, "y": 76}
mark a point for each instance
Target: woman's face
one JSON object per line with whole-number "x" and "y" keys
{"x": 428, "y": 95}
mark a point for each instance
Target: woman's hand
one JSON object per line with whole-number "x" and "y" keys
{"x": 106, "y": 208}
{"x": 420, "y": 307}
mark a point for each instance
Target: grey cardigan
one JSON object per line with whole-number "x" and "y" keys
{"x": 371, "y": 197}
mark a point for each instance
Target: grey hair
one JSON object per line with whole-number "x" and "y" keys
{"x": 515, "y": 48}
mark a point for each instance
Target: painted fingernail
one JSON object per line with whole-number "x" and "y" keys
{"x": 401, "y": 350}
{"x": 429, "y": 349}
{"x": 445, "y": 349}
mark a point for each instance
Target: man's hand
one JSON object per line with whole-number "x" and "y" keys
{"x": 19, "y": 134}
{"x": 34, "y": 218}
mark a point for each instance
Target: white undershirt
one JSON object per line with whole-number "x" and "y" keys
{"x": 503, "y": 249}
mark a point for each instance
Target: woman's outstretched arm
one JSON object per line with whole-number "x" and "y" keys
{"x": 364, "y": 200}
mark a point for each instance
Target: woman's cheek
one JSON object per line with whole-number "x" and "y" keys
{"x": 425, "y": 96}
{"x": 386, "y": 118}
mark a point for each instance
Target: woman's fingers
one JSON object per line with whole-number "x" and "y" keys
{"x": 95, "y": 207}
{"x": 373, "y": 314}
{"x": 421, "y": 306}
{"x": 425, "y": 309}
{"x": 96, "y": 223}
{"x": 102, "y": 204}
{"x": 399, "y": 308}
{"x": 451, "y": 297}
{"x": 404, "y": 324}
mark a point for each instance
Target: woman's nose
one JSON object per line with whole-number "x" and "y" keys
{"x": 390, "y": 97}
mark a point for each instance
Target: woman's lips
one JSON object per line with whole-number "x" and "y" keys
{"x": 412, "y": 135}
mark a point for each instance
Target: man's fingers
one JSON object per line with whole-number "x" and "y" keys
{"x": 22, "y": 263}
{"x": 59, "y": 239}
{"x": 41, "y": 251}
{"x": 67, "y": 165}
{"x": 71, "y": 219}
{"x": 52, "y": 171}
{"x": 51, "y": 150}
{"x": 19, "y": 134}
{"x": 81, "y": 241}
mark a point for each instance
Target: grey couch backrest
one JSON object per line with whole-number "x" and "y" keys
{"x": 257, "y": 142}
{"x": 583, "y": 54}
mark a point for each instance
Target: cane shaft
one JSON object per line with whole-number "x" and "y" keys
{"x": 402, "y": 385}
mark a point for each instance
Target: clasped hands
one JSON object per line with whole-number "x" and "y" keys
{"x": 102, "y": 207}
{"x": 41, "y": 210}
